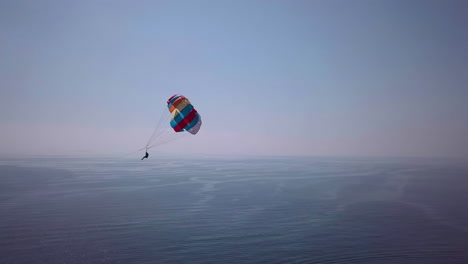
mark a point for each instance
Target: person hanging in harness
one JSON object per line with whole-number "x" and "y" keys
{"x": 146, "y": 155}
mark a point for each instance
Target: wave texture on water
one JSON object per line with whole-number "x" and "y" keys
{"x": 258, "y": 210}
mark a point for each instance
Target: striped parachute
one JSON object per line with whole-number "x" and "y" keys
{"x": 182, "y": 117}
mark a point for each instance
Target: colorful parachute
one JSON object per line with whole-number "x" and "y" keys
{"x": 184, "y": 115}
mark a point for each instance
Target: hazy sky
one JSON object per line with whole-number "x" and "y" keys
{"x": 378, "y": 78}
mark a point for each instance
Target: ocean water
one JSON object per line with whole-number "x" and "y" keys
{"x": 233, "y": 210}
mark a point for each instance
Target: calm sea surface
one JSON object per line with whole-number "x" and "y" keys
{"x": 250, "y": 210}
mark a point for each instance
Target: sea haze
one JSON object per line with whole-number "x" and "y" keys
{"x": 233, "y": 210}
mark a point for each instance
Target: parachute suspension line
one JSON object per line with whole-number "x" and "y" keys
{"x": 157, "y": 131}
{"x": 166, "y": 139}
{"x": 158, "y": 124}
{"x": 170, "y": 139}
{"x": 163, "y": 132}
{"x": 171, "y": 135}
{"x": 167, "y": 136}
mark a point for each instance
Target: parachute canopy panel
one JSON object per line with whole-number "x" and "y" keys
{"x": 184, "y": 115}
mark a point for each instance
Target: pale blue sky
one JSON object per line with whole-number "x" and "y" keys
{"x": 373, "y": 78}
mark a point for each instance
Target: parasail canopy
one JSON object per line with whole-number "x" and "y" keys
{"x": 184, "y": 116}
